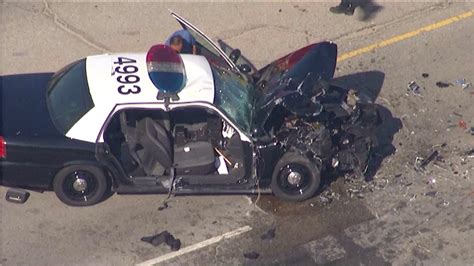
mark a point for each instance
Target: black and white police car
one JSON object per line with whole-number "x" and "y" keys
{"x": 162, "y": 122}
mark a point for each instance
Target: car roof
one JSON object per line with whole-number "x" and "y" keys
{"x": 107, "y": 86}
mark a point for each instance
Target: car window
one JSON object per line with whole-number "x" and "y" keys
{"x": 234, "y": 95}
{"x": 68, "y": 96}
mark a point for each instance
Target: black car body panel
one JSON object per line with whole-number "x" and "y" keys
{"x": 36, "y": 150}
{"x": 291, "y": 78}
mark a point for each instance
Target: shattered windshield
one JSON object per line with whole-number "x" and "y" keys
{"x": 234, "y": 95}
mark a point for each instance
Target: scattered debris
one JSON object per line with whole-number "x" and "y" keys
{"x": 464, "y": 84}
{"x": 458, "y": 114}
{"x": 421, "y": 163}
{"x": 462, "y": 124}
{"x": 270, "y": 234}
{"x": 414, "y": 87}
{"x": 431, "y": 194}
{"x": 251, "y": 255}
{"x": 328, "y": 196}
{"x": 431, "y": 180}
{"x": 471, "y": 130}
{"x": 17, "y": 195}
{"x": 470, "y": 153}
{"x": 425, "y": 75}
{"x": 441, "y": 84}
{"x": 163, "y": 237}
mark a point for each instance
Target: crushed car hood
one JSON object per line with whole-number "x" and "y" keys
{"x": 293, "y": 78}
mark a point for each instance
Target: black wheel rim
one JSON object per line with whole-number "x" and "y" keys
{"x": 294, "y": 188}
{"x": 80, "y": 186}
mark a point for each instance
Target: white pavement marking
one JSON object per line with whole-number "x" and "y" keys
{"x": 196, "y": 246}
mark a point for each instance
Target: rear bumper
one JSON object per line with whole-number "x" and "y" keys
{"x": 27, "y": 175}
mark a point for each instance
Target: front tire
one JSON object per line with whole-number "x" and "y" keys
{"x": 295, "y": 178}
{"x": 80, "y": 185}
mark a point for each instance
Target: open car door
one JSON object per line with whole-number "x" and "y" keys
{"x": 205, "y": 46}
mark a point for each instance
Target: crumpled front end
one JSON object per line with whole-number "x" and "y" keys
{"x": 299, "y": 111}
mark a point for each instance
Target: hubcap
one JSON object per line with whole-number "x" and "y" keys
{"x": 294, "y": 178}
{"x": 80, "y": 184}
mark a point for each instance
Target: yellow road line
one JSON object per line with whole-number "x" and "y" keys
{"x": 405, "y": 36}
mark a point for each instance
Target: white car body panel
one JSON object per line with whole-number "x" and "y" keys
{"x": 103, "y": 86}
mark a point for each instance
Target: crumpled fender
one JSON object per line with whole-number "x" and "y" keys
{"x": 294, "y": 76}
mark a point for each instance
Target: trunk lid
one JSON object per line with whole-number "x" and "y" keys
{"x": 23, "y": 105}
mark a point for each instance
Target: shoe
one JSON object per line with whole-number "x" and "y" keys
{"x": 349, "y": 10}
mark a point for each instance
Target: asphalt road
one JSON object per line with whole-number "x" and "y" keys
{"x": 396, "y": 223}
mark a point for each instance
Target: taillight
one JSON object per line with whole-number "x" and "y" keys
{"x": 3, "y": 148}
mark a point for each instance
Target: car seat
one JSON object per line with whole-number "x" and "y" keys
{"x": 159, "y": 155}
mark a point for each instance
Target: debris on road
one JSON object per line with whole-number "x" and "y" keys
{"x": 462, "y": 124}
{"x": 163, "y": 237}
{"x": 431, "y": 180}
{"x": 328, "y": 196}
{"x": 470, "y": 154}
{"x": 17, "y": 195}
{"x": 431, "y": 194}
{"x": 414, "y": 87}
{"x": 251, "y": 255}
{"x": 421, "y": 163}
{"x": 441, "y": 84}
{"x": 270, "y": 234}
{"x": 463, "y": 83}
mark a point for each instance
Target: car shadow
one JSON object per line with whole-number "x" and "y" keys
{"x": 384, "y": 145}
{"x": 370, "y": 84}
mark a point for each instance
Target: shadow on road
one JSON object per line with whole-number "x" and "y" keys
{"x": 370, "y": 83}
{"x": 369, "y": 9}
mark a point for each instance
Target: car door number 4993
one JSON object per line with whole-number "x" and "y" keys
{"x": 127, "y": 69}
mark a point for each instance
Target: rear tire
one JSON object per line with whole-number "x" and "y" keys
{"x": 80, "y": 185}
{"x": 295, "y": 178}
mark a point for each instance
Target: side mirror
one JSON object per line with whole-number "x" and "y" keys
{"x": 244, "y": 68}
{"x": 235, "y": 55}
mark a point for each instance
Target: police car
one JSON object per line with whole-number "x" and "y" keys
{"x": 205, "y": 123}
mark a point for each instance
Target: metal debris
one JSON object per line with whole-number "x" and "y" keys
{"x": 421, "y": 163}
{"x": 328, "y": 196}
{"x": 414, "y": 87}
{"x": 431, "y": 180}
{"x": 463, "y": 83}
{"x": 470, "y": 154}
{"x": 163, "y": 237}
{"x": 471, "y": 131}
{"x": 462, "y": 124}
{"x": 251, "y": 255}
{"x": 431, "y": 194}
{"x": 270, "y": 234}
